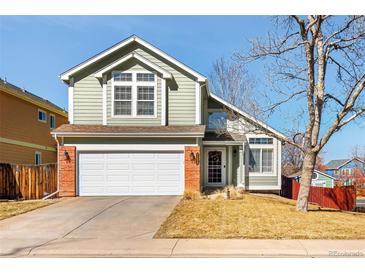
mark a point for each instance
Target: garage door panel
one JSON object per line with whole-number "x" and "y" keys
{"x": 131, "y": 173}
{"x": 117, "y": 166}
{"x": 118, "y": 180}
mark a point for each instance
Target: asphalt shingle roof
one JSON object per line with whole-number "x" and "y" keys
{"x": 334, "y": 164}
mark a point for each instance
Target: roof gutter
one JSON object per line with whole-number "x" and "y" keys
{"x": 140, "y": 135}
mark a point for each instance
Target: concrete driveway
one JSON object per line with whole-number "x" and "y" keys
{"x": 97, "y": 218}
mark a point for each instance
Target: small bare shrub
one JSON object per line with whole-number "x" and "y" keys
{"x": 234, "y": 193}
{"x": 192, "y": 195}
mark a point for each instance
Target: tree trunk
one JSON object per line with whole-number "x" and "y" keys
{"x": 306, "y": 180}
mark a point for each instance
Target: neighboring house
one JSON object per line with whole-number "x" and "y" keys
{"x": 26, "y": 121}
{"x": 143, "y": 123}
{"x": 346, "y": 170}
{"x": 319, "y": 179}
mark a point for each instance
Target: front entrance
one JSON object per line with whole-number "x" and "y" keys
{"x": 215, "y": 167}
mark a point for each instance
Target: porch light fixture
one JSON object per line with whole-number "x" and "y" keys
{"x": 192, "y": 156}
{"x": 66, "y": 156}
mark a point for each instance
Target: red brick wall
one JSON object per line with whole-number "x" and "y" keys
{"x": 192, "y": 169}
{"x": 67, "y": 169}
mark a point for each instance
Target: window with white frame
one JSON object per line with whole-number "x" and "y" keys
{"x": 261, "y": 160}
{"x": 52, "y": 121}
{"x": 261, "y": 141}
{"x": 145, "y": 100}
{"x": 122, "y": 100}
{"x": 37, "y": 158}
{"x": 42, "y": 116}
{"x": 134, "y": 94}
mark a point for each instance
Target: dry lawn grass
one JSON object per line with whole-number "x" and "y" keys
{"x": 9, "y": 209}
{"x": 259, "y": 217}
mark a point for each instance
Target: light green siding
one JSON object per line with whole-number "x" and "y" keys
{"x": 181, "y": 92}
{"x": 88, "y": 101}
{"x": 262, "y": 181}
{"x": 88, "y": 107}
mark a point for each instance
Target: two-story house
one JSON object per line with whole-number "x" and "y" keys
{"x": 26, "y": 121}
{"x": 346, "y": 170}
{"x": 143, "y": 123}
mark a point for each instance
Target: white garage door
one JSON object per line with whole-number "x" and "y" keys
{"x": 130, "y": 173}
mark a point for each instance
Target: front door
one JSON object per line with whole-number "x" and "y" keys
{"x": 215, "y": 168}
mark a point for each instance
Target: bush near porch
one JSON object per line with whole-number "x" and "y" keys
{"x": 259, "y": 217}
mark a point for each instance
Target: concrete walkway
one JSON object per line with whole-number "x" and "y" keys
{"x": 124, "y": 227}
{"x": 71, "y": 247}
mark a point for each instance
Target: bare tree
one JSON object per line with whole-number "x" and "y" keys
{"x": 231, "y": 81}
{"x": 317, "y": 64}
{"x": 292, "y": 157}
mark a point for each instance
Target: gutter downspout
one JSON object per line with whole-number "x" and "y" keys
{"x": 58, "y": 172}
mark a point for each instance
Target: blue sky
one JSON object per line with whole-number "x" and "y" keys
{"x": 34, "y": 50}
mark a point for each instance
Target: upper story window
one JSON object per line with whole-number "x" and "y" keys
{"x": 52, "y": 121}
{"x": 145, "y": 77}
{"x": 42, "y": 116}
{"x": 261, "y": 160}
{"x": 122, "y": 77}
{"x": 135, "y": 95}
{"x": 217, "y": 120}
{"x": 260, "y": 141}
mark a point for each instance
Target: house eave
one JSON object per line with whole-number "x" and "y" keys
{"x": 65, "y": 76}
{"x": 134, "y": 135}
{"x": 165, "y": 74}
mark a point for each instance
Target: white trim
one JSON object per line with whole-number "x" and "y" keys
{"x": 130, "y": 147}
{"x": 134, "y": 84}
{"x": 226, "y": 143}
{"x": 66, "y": 75}
{"x": 165, "y": 73}
{"x": 224, "y": 165}
{"x": 229, "y": 166}
{"x": 54, "y": 121}
{"x": 45, "y": 113}
{"x": 325, "y": 174}
{"x": 197, "y": 104}
{"x": 71, "y": 101}
{"x": 246, "y": 115}
{"x": 278, "y": 163}
{"x": 116, "y": 134}
{"x": 264, "y": 187}
{"x": 105, "y": 84}
{"x": 163, "y": 102}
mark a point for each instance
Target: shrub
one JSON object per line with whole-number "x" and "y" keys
{"x": 192, "y": 195}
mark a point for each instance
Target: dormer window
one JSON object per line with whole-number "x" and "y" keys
{"x": 122, "y": 77}
{"x": 134, "y": 94}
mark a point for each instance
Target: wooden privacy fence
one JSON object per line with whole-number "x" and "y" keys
{"x": 27, "y": 182}
{"x": 343, "y": 197}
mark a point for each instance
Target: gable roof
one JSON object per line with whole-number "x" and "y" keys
{"x": 65, "y": 76}
{"x": 336, "y": 164}
{"x": 165, "y": 73}
{"x": 246, "y": 115}
{"x": 30, "y": 97}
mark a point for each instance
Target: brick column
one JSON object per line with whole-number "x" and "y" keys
{"x": 192, "y": 169}
{"x": 67, "y": 171}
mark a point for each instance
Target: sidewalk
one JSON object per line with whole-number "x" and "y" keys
{"x": 72, "y": 247}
